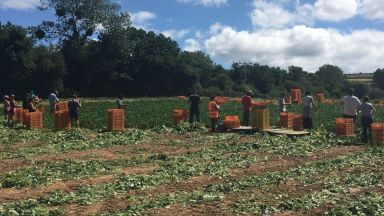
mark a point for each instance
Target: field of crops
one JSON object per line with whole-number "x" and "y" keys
{"x": 153, "y": 168}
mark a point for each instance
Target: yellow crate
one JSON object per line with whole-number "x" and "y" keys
{"x": 260, "y": 119}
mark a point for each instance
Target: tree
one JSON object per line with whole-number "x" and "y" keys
{"x": 16, "y": 63}
{"x": 378, "y": 78}
{"x": 77, "y": 20}
{"x": 332, "y": 79}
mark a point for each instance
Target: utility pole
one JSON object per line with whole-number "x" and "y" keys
{"x": 244, "y": 64}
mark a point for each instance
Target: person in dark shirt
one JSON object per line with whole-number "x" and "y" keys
{"x": 31, "y": 105}
{"x": 120, "y": 103}
{"x": 247, "y": 103}
{"x": 194, "y": 101}
{"x": 73, "y": 104}
{"x": 26, "y": 101}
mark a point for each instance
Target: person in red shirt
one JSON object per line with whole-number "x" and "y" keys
{"x": 247, "y": 102}
{"x": 213, "y": 113}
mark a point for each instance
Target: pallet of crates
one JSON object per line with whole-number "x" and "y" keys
{"x": 35, "y": 120}
{"x": 260, "y": 119}
{"x": 116, "y": 119}
{"x": 231, "y": 122}
{"x": 297, "y": 122}
{"x": 62, "y": 120}
{"x": 345, "y": 127}
{"x": 286, "y": 120}
{"x": 377, "y": 134}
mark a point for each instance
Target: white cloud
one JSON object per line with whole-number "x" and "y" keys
{"x": 205, "y": 3}
{"x": 19, "y": 4}
{"x": 140, "y": 19}
{"x": 335, "y": 10}
{"x": 270, "y": 14}
{"x": 372, "y": 9}
{"x": 175, "y": 34}
{"x": 192, "y": 45}
{"x": 310, "y": 48}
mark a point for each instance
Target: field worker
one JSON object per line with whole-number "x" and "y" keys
{"x": 246, "y": 101}
{"x": 120, "y": 103}
{"x": 213, "y": 112}
{"x": 351, "y": 104}
{"x": 7, "y": 106}
{"x": 25, "y": 101}
{"x": 31, "y": 105}
{"x": 282, "y": 103}
{"x": 12, "y": 109}
{"x": 53, "y": 100}
{"x": 308, "y": 105}
{"x": 194, "y": 101}
{"x": 73, "y": 104}
{"x": 367, "y": 110}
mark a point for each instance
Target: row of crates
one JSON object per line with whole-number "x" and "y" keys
{"x": 32, "y": 120}
{"x": 291, "y": 121}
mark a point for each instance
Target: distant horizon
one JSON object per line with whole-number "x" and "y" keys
{"x": 277, "y": 33}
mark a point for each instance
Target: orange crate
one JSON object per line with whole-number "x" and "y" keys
{"x": 62, "y": 120}
{"x": 286, "y": 120}
{"x": 179, "y": 115}
{"x": 61, "y": 106}
{"x": 35, "y": 120}
{"x": 377, "y": 133}
{"x": 296, "y": 95}
{"x": 231, "y": 122}
{"x": 344, "y": 127}
{"x": 116, "y": 119}
{"x": 297, "y": 122}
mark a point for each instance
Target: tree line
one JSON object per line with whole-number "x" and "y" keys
{"x": 92, "y": 50}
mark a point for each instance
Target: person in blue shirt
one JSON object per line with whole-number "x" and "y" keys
{"x": 53, "y": 100}
{"x": 120, "y": 103}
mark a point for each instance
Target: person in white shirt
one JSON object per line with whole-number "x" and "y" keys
{"x": 282, "y": 103}
{"x": 351, "y": 105}
{"x": 53, "y": 100}
{"x": 308, "y": 104}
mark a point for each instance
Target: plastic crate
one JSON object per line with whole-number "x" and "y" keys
{"x": 116, "y": 119}
{"x": 260, "y": 119}
{"x": 231, "y": 122}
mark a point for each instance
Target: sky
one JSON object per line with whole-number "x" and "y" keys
{"x": 281, "y": 33}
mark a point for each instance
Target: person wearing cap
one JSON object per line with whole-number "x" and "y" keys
{"x": 73, "y": 104}
{"x": 367, "y": 110}
{"x": 213, "y": 112}
{"x": 308, "y": 105}
{"x": 351, "y": 105}
{"x": 53, "y": 100}
{"x": 7, "y": 106}
{"x": 246, "y": 101}
{"x": 194, "y": 101}
{"x": 12, "y": 109}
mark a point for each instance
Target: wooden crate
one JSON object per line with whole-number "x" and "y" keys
{"x": 286, "y": 120}
{"x": 116, "y": 119}
{"x": 297, "y": 122}
{"x": 35, "y": 120}
{"x": 62, "y": 120}
{"x": 260, "y": 119}
{"x": 344, "y": 127}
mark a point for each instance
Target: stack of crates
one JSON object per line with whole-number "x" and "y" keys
{"x": 35, "y": 120}
{"x": 345, "y": 127}
{"x": 286, "y": 120}
{"x": 19, "y": 115}
{"x": 260, "y": 119}
{"x": 116, "y": 119}
{"x": 62, "y": 120}
{"x": 296, "y": 95}
{"x": 377, "y": 133}
{"x": 320, "y": 97}
{"x": 61, "y": 106}
{"x": 179, "y": 115}
{"x": 231, "y": 122}
{"x": 297, "y": 122}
